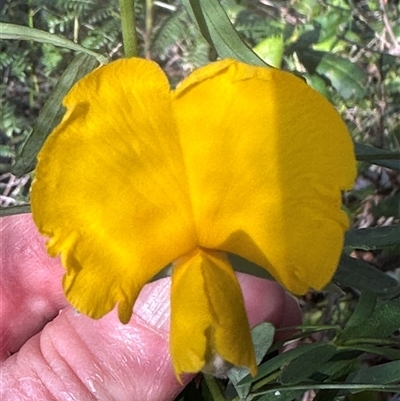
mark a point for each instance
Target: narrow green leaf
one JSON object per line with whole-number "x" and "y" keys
{"x": 20, "y": 32}
{"x": 364, "y": 309}
{"x": 277, "y": 362}
{"x": 218, "y": 30}
{"x": 11, "y": 210}
{"x": 382, "y": 374}
{"x": 346, "y": 77}
{"x": 384, "y": 158}
{"x": 308, "y": 363}
{"x": 242, "y": 265}
{"x": 387, "y": 352}
{"x": 361, "y": 275}
{"x": 263, "y": 337}
{"x": 382, "y": 323}
{"x": 329, "y": 386}
{"x": 278, "y": 395}
{"x": 372, "y": 238}
{"x": 340, "y": 365}
{"x": 51, "y": 113}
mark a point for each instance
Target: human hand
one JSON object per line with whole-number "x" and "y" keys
{"x": 50, "y": 352}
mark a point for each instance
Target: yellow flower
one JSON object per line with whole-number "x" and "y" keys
{"x": 237, "y": 159}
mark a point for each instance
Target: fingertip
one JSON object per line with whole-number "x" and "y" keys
{"x": 264, "y": 299}
{"x": 291, "y": 317}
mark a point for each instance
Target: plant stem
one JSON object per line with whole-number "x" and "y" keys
{"x": 332, "y": 386}
{"x": 149, "y": 27}
{"x": 214, "y": 388}
{"x": 127, "y": 8}
{"x": 32, "y": 86}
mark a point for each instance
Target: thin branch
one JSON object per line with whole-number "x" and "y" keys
{"x": 389, "y": 29}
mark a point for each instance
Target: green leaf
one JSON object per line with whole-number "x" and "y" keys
{"x": 327, "y": 386}
{"x": 271, "y": 50}
{"x": 11, "y": 210}
{"x": 382, "y": 323}
{"x": 308, "y": 363}
{"x": 19, "y": 32}
{"x": 340, "y": 365}
{"x": 364, "y": 309}
{"x": 361, "y": 275}
{"x": 372, "y": 238}
{"x": 263, "y": 337}
{"x": 242, "y": 265}
{"x": 51, "y": 113}
{"x": 381, "y": 374}
{"x": 278, "y": 395}
{"x": 346, "y": 77}
{"x": 387, "y": 352}
{"x": 217, "y": 29}
{"x": 384, "y": 158}
{"x": 277, "y": 362}
{"x": 318, "y": 83}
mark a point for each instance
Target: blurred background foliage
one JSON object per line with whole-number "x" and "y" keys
{"x": 348, "y": 50}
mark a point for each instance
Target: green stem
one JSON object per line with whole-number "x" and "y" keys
{"x": 214, "y": 388}
{"x": 370, "y": 341}
{"x": 31, "y": 87}
{"x": 11, "y": 210}
{"x": 127, "y": 8}
{"x": 266, "y": 380}
{"x": 314, "y": 328}
{"x": 149, "y": 27}
{"x": 332, "y": 386}
{"x": 30, "y": 14}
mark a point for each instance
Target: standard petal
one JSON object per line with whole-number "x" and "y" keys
{"x": 266, "y": 159}
{"x": 208, "y": 318}
{"x": 110, "y": 188}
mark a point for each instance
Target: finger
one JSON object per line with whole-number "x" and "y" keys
{"x": 96, "y": 359}
{"x": 103, "y": 359}
{"x": 30, "y": 286}
{"x": 264, "y": 299}
{"x": 267, "y": 301}
{"x": 291, "y": 316}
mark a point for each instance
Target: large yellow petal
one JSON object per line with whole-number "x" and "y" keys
{"x": 110, "y": 188}
{"x": 208, "y": 318}
{"x": 266, "y": 159}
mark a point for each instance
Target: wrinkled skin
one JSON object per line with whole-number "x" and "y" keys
{"x": 49, "y": 352}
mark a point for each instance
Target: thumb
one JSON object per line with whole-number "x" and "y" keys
{"x": 75, "y": 357}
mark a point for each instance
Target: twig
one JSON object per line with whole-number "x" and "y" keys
{"x": 389, "y": 29}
